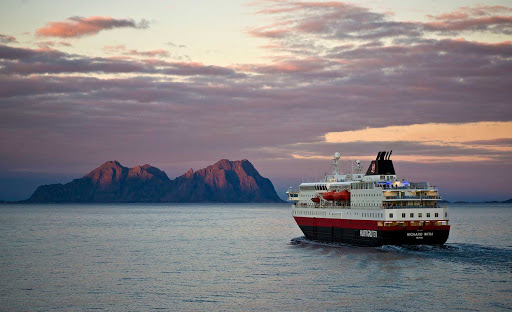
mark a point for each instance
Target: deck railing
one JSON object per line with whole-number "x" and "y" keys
{"x": 413, "y": 197}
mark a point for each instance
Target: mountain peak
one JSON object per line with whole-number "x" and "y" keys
{"x": 111, "y": 163}
{"x": 189, "y": 173}
{"x": 223, "y": 164}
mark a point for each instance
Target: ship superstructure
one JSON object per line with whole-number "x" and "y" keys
{"x": 375, "y": 208}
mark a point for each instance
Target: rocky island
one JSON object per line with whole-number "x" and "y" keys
{"x": 225, "y": 181}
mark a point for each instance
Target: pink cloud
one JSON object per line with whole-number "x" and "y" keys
{"x": 311, "y": 26}
{"x": 122, "y": 49}
{"x": 480, "y": 18}
{"x": 86, "y": 26}
{"x": 272, "y": 33}
{"x": 330, "y": 20}
{"x": 466, "y": 12}
{"x": 151, "y": 53}
{"x": 482, "y": 23}
{"x": 50, "y": 44}
{"x": 114, "y": 49}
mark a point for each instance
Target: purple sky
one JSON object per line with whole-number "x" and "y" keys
{"x": 267, "y": 82}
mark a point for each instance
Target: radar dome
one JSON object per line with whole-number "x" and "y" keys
{"x": 337, "y": 155}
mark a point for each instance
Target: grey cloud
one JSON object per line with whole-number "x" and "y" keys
{"x": 23, "y": 61}
{"x": 6, "y": 39}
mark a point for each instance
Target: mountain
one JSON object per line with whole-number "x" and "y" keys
{"x": 508, "y": 201}
{"x": 225, "y": 181}
{"x": 110, "y": 182}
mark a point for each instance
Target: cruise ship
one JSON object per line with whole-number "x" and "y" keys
{"x": 370, "y": 209}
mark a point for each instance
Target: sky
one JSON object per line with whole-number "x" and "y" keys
{"x": 285, "y": 84}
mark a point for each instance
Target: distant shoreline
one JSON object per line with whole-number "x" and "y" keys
{"x": 213, "y": 202}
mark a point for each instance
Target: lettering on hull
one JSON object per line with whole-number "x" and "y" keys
{"x": 420, "y": 235}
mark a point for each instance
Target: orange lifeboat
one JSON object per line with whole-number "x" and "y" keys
{"x": 328, "y": 195}
{"x": 316, "y": 199}
{"x": 345, "y": 195}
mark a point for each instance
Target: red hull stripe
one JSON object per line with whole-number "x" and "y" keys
{"x": 363, "y": 224}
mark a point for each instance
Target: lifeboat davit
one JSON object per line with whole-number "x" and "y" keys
{"x": 345, "y": 195}
{"x": 328, "y": 195}
{"x": 315, "y": 199}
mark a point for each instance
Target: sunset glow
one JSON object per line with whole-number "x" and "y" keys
{"x": 479, "y": 135}
{"x": 284, "y": 84}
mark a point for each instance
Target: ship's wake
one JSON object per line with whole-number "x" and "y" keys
{"x": 461, "y": 253}
{"x": 303, "y": 241}
{"x": 488, "y": 256}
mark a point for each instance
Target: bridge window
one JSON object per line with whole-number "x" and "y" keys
{"x": 403, "y": 215}
{"x": 412, "y": 215}
{"x": 436, "y": 215}
{"x": 419, "y": 215}
{"x": 428, "y": 215}
{"x": 391, "y": 215}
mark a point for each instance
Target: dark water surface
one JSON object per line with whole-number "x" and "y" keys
{"x": 142, "y": 257}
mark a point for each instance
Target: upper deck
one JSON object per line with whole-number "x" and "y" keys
{"x": 378, "y": 188}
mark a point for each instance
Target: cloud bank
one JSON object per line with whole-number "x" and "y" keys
{"x": 335, "y": 77}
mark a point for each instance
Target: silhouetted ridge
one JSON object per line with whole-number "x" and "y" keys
{"x": 224, "y": 181}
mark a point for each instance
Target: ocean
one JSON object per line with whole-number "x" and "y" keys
{"x": 240, "y": 257}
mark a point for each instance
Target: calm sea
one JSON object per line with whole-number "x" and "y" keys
{"x": 142, "y": 257}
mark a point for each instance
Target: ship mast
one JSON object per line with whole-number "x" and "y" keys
{"x": 336, "y": 171}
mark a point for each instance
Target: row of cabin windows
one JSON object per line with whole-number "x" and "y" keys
{"x": 367, "y": 204}
{"x": 359, "y": 195}
{"x": 362, "y": 186}
{"x": 420, "y": 215}
{"x": 371, "y": 215}
{"x": 314, "y": 213}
